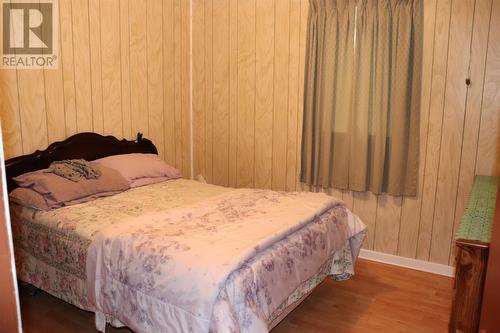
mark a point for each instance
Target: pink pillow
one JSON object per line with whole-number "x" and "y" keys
{"x": 28, "y": 198}
{"x": 148, "y": 181}
{"x": 137, "y": 166}
{"x": 59, "y": 191}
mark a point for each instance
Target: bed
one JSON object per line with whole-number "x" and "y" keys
{"x": 180, "y": 255}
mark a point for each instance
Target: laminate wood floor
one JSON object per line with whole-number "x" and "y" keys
{"x": 380, "y": 298}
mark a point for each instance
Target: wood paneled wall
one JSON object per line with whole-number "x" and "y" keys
{"x": 123, "y": 69}
{"x": 248, "y": 60}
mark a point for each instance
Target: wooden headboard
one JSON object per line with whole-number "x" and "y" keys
{"x": 89, "y": 146}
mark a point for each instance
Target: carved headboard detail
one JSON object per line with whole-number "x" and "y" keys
{"x": 89, "y": 146}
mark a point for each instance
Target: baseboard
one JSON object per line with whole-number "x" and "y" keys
{"x": 419, "y": 265}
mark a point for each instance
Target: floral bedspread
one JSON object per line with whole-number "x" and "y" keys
{"x": 168, "y": 271}
{"x": 61, "y": 237}
{"x": 51, "y": 246}
{"x": 51, "y": 251}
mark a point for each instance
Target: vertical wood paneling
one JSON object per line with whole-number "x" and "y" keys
{"x": 177, "y": 84}
{"x": 365, "y": 206}
{"x": 68, "y": 67}
{"x": 293, "y": 95}
{"x": 125, "y": 69}
{"x": 11, "y": 122}
{"x": 387, "y": 224}
{"x": 473, "y": 110}
{"x": 489, "y": 134}
{"x": 83, "y": 95}
{"x": 209, "y": 94}
{"x": 265, "y": 114}
{"x": 264, "y": 93}
{"x": 112, "y": 53}
{"x": 304, "y": 10}
{"x": 246, "y": 93}
{"x": 281, "y": 90}
{"x": 438, "y": 85}
{"x": 111, "y": 68}
{"x": 452, "y": 129}
{"x": 155, "y": 73}
{"x": 138, "y": 65}
{"x": 348, "y": 198}
{"x": 220, "y": 94}
{"x": 169, "y": 82}
{"x": 199, "y": 86}
{"x": 54, "y": 101}
{"x": 233, "y": 90}
{"x": 95, "y": 65}
{"x": 410, "y": 215}
{"x": 32, "y": 109}
{"x": 185, "y": 87}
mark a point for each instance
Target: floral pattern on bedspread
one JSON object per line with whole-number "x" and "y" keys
{"x": 61, "y": 237}
{"x": 340, "y": 266}
{"x": 74, "y": 290}
{"x": 164, "y": 272}
{"x": 47, "y": 244}
{"x": 56, "y": 282}
{"x": 57, "y": 248}
{"x": 261, "y": 313}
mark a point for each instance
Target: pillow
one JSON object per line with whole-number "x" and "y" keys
{"x": 28, "y": 198}
{"x": 137, "y": 166}
{"x": 148, "y": 181}
{"x": 59, "y": 191}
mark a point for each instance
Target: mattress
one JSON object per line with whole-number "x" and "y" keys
{"x": 51, "y": 252}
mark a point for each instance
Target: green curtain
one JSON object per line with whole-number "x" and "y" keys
{"x": 362, "y": 95}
